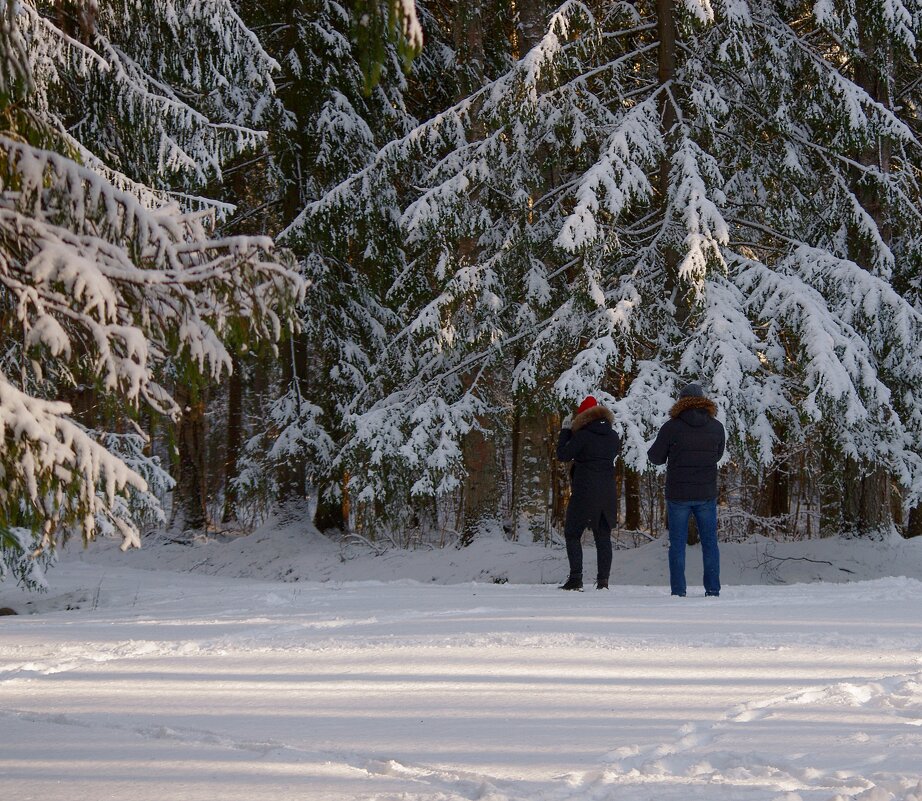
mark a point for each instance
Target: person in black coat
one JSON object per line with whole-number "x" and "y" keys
{"x": 589, "y": 441}
{"x": 691, "y": 444}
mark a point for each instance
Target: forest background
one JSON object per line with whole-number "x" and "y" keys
{"x": 357, "y": 259}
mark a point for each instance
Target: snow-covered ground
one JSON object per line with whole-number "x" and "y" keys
{"x": 283, "y": 666}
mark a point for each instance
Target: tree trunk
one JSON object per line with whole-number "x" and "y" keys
{"x": 468, "y": 35}
{"x": 84, "y": 404}
{"x": 330, "y": 514}
{"x": 914, "y": 525}
{"x": 774, "y": 496}
{"x": 531, "y": 477}
{"x": 666, "y": 55}
{"x": 631, "y": 499}
{"x": 830, "y": 491}
{"x": 538, "y": 496}
{"x": 532, "y": 23}
{"x": 560, "y": 480}
{"x": 234, "y": 439}
{"x": 517, "y": 484}
{"x": 292, "y": 476}
{"x": 481, "y": 484}
{"x": 189, "y": 496}
{"x": 866, "y": 498}
{"x": 866, "y": 490}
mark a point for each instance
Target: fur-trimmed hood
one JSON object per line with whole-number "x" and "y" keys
{"x": 684, "y": 404}
{"x": 590, "y": 416}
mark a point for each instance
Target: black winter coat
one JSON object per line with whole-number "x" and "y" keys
{"x": 690, "y": 444}
{"x": 592, "y": 446}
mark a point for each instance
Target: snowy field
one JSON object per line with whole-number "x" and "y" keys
{"x": 277, "y": 670}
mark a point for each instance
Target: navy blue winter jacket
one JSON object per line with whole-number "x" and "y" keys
{"x": 690, "y": 444}
{"x": 592, "y": 445}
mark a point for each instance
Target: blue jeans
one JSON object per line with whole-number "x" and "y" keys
{"x": 705, "y": 513}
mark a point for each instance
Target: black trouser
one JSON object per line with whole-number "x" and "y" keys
{"x": 602, "y": 533}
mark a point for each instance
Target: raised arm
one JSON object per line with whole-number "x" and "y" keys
{"x": 568, "y": 445}
{"x": 658, "y": 452}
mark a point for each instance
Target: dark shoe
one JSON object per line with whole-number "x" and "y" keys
{"x": 678, "y": 595}
{"x": 712, "y": 595}
{"x": 572, "y": 584}
{"x": 601, "y": 584}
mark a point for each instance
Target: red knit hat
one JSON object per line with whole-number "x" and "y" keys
{"x": 587, "y": 403}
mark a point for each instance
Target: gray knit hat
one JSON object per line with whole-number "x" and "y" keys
{"x": 692, "y": 391}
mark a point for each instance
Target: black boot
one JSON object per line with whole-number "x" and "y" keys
{"x": 601, "y": 584}
{"x": 572, "y": 583}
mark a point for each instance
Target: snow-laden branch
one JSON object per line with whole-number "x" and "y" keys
{"x": 193, "y": 78}
{"x": 95, "y": 280}
{"x": 49, "y": 463}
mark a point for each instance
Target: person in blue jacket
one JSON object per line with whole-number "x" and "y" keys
{"x": 691, "y": 444}
{"x": 589, "y": 441}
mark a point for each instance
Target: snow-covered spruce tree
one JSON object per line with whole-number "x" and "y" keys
{"x": 365, "y": 257}
{"x": 656, "y": 191}
{"x": 337, "y": 120}
{"x": 906, "y": 95}
{"x": 393, "y": 487}
{"x": 209, "y": 84}
{"x": 881, "y": 46}
{"x": 845, "y": 203}
{"x": 102, "y": 281}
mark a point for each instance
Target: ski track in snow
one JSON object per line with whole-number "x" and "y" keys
{"x": 695, "y": 755}
{"x": 691, "y": 759}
